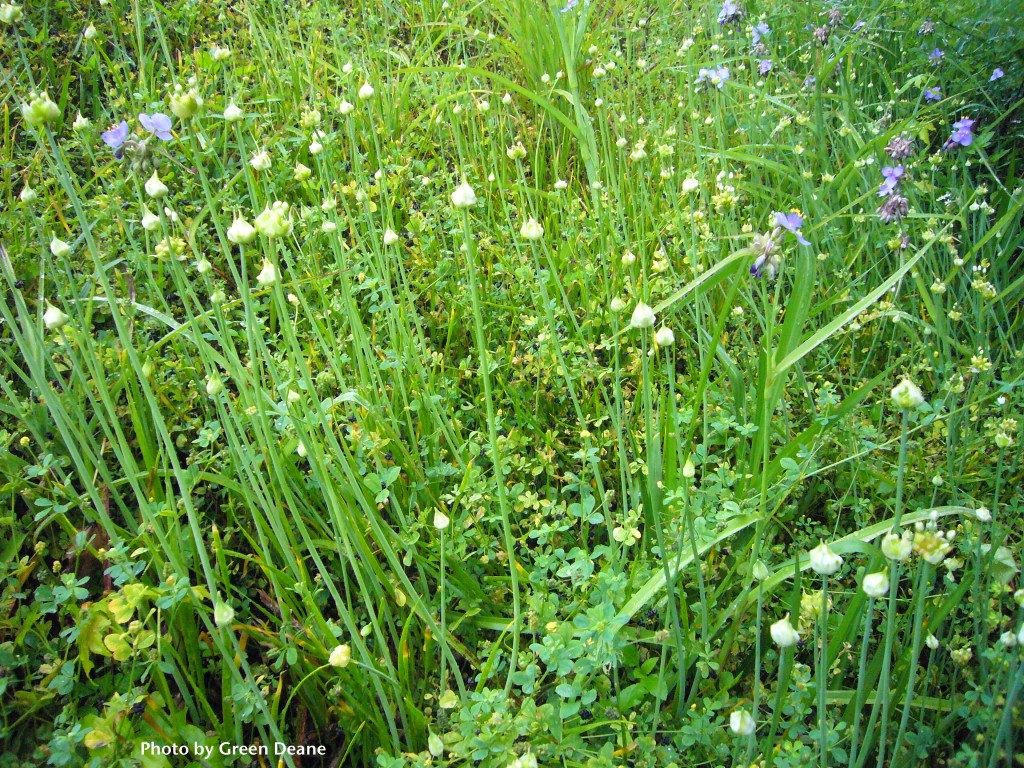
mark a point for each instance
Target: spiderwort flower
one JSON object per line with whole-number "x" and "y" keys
{"x": 936, "y": 56}
{"x": 792, "y": 222}
{"x": 997, "y": 73}
{"x": 764, "y": 66}
{"x": 784, "y": 633}
{"x": 933, "y": 94}
{"x": 716, "y": 76}
{"x": 730, "y": 13}
{"x": 963, "y": 134}
{"x": 758, "y": 33}
{"x": 891, "y": 175}
{"x": 157, "y": 124}
{"x": 643, "y": 316}
{"x": 824, "y": 561}
{"x": 115, "y": 137}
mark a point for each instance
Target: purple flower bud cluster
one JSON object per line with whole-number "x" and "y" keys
{"x": 900, "y": 147}
{"x": 766, "y": 247}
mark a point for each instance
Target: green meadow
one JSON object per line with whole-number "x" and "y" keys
{"x": 511, "y": 384}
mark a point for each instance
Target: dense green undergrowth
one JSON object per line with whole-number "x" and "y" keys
{"x": 512, "y": 384}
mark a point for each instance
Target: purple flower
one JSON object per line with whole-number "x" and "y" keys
{"x": 715, "y": 76}
{"x": 810, "y": 81}
{"x": 791, "y": 222}
{"x": 933, "y": 94}
{"x": 892, "y": 175}
{"x": 936, "y": 55}
{"x": 115, "y": 137}
{"x": 759, "y": 31}
{"x": 764, "y": 66}
{"x": 963, "y": 134}
{"x": 731, "y": 12}
{"x": 996, "y": 74}
{"x": 821, "y": 35}
{"x": 158, "y": 124}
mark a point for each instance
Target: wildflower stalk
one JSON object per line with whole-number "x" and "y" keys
{"x": 822, "y": 670}
{"x": 756, "y": 703}
{"x": 915, "y": 648}
{"x": 492, "y": 435}
{"x": 677, "y": 630}
{"x": 781, "y": 689}
{"x": 862, "y": 667}
{"x": 444, "y": 636}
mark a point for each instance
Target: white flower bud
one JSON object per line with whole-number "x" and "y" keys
{"x": 741, "y": 723}
{"x": 784, "y": 633}
{"x": 267, "y": 275}
{"x": 664, "y": 336}
{"x": 531, "y": 229}
{"x": 876, "y": 584}
{"x": 340, "y": 656}
{"x": 824, "y": 561}
{"x": 241, "y": 232}
{"x": 643, "y": 316}
{"x": 906, "y": 395}
{"x": 463, "y": 196}
{"x": 59, "y": 248}
{"x": 156, "y": 188}
{"x": 53, "y": 318}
